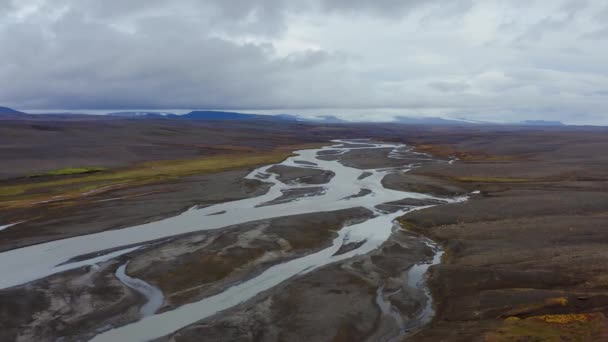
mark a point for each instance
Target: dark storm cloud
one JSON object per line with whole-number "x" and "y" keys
{"x": 488, "y": 59}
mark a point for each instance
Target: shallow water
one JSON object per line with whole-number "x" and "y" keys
{"x": 154, "y": 296}
{"x": 416, "y": 281}
{"x": 34, "y": 262}
{"x": 388, "y": 311}
{"x": 10, "y": 225}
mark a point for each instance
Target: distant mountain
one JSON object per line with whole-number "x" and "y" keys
{"x": 288, "y": 117}
{"x": 206, "y": 115}
{"x": 216, "y": 115}
{"x": 9, "y": 111}
{"x": 328, "y": 119}
{"x": 430, "y": 121}
{"x": 212, "y": 115}
{"x": 541, "y": 123}
{"x": 141, "y": 114}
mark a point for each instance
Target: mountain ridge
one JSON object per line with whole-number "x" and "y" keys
{"x": 7, "y": 113}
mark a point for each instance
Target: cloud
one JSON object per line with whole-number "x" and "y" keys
{"x": 446, "y": 86}
{"x": 484, "y": 59}
{"x": 599, "y": 34}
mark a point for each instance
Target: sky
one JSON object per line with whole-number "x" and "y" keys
{"x": 489, "y": 60}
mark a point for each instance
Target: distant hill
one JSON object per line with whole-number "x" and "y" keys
{"x": 205, "y": 115}
{"x": 459, "y": 122}
{"x": 288, "y": 117}
{"x": 216, "y": 115}
{"x": 141, "y": 114}
{"x": 541, "y": 123}
{"x": 430, "y": 121}
{"x": 328, "y": 119}
{"x": 9, "y": 111}
{"x": 212, "y": 115}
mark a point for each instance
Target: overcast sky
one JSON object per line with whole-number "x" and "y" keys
{"x": 486, "y": 60}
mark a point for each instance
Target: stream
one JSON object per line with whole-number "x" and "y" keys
{"x": 154, "y": 296}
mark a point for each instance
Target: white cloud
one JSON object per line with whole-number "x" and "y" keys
{"x": 485, "y": 59}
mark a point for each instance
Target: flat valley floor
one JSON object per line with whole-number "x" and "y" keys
{"x": 458, "y": 234}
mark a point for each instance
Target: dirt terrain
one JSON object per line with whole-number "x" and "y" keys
{"x": 525, "y": 257}
{"x": 47, "y": 145}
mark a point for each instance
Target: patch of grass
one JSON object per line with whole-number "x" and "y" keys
{"x": 27, "y": 193}
{"x": 70, "y": 171}
{"x": 406, "y": 225}
{"x": 565, "y": 319}
{"x": 534, "y": 306}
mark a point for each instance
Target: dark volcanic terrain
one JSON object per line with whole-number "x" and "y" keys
{"x": 525, "y": 257}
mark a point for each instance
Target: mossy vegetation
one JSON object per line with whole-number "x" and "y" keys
{"x": 405, "y": 224}
{"x": 549, "y": 328}
{"x": 70, "y": 171}
{"x": 76, "y": 182}
{"x": 523, "y": 309}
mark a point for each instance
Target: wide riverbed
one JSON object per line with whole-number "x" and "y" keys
{"x": 343, "y": 191}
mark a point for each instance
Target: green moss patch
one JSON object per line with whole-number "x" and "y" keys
{"x": 70, "y": 171}
{"x": 77, "y": 181}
